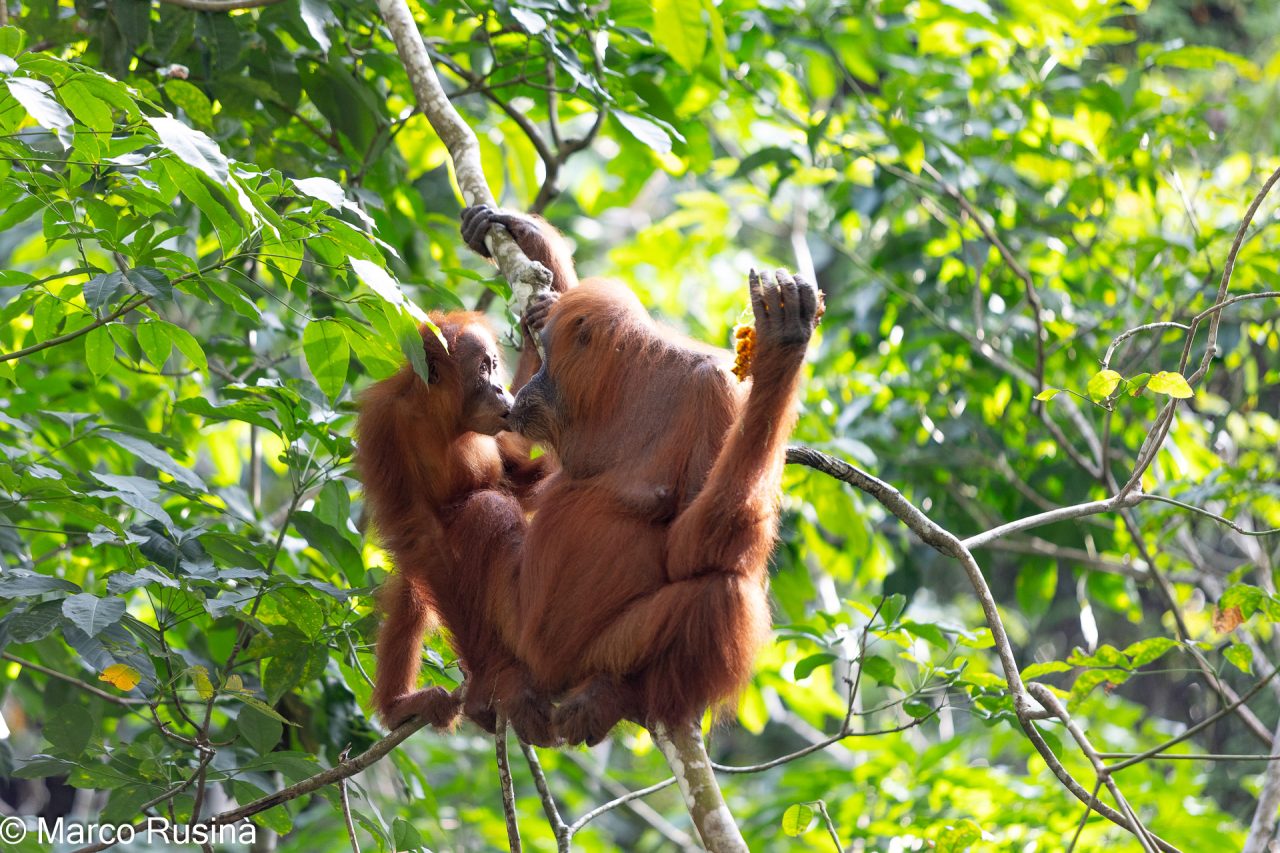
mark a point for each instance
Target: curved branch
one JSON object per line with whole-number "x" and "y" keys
{"x": 525, "y": 276}
{"x": 948, "y": 544}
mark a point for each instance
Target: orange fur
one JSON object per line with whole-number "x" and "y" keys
{"x": 643, "y": 588}
{"x": 448, "y": 513}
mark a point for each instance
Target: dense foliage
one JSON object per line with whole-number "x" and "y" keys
{"x": 215, "y": 229}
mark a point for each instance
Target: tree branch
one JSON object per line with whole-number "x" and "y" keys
{"x": 526, "y": 277}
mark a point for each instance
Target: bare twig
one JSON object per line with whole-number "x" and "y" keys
{"x": 508, "y": 787}
{"x": 558, "y": 826}
{"x": 345, "y": 799}
{"x": 123, "y": 701}
{"x": 1046, "y": 697}
{"x": 1129, "y": 333}
{"x": 830, "y": 825}
{"x": 677, "y": 837}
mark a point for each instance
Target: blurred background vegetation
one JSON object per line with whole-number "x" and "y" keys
{"x": 207, "y": 219}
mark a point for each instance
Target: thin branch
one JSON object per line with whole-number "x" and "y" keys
{"x": 558, "y": 826}
{"x": 1198, "y": 727}
{"x": 844, "y": 734}
{"x": 1046, "y": 697}
{"x": 129, "y": 702}
{"x": 1053, "y": 516}
{"x": 341, "y": 770}
{"x": 525, "y": 276}
{"x": 612, "y": 787}
{"x": 128, "y": 306}
{"x": 346, "y": 806}
{"x": 623, "y": 800}
{"x": 1129, "y": 333}
{"x": 830, "y": 824}
{"x": 1218, "y": 518}
{"x": 508, "y": 787}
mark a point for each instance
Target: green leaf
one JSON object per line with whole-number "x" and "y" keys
{"x": 1036, "y": 670}
{"x": 678, "y": 29}
{"x": 100, "y": 290}
{"x": 1245, "y": 596}
{"x": 204, "y": 686}
{"x": 262, "y": 731}
{"x": 806, "y": 666}
{"x": 262, "y": 708}
{"x": 1103, "y": 384}
{"x": 192, "y": 147}
{"x": 191, "y": 100}
{"x": 1145, "y": 651}
{"x": 797, "y": 819}
{"x": 917, "y": 710}
{"x": 405, "y": 836}
{"x": 12, "y": 40}
{"x": 1241, "y": 656}
{"x": 879, "y": 669}
{"x": 150, "y": 281}
{"x": 68, "y": 729}
{"x": 1048, "y": 394}
{"x": 37, "y": 97}
{"x": 1172, "y": 384}
{"x": 155, "y": 342}
{"x": 91, "y": 614}
{"x": 1092, "y": 678}
{"x": 93, "y": 112}
{"x": 157, "y": 458}
{"x": 99, "y": 351}
{"x": 186, "y": 344}
{"x": 931, "y": 634}
{"x": 646, "y": 131}
{"x": 328, "y": 355}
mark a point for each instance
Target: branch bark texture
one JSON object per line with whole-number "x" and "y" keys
{"x": 526, "y": 277}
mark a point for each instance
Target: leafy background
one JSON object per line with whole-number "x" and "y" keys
{"x": 210, "y": 226}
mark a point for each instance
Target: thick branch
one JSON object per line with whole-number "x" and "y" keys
{"x": 687, "y": 755}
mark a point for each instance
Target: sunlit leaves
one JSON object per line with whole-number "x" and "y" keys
{"x": 192, "y": 147}
{"x": 1240, "y": 656}
{"x": 37, "y": 97}
{"x": 797, "y": 819}
{"x": 1170, "y": 383}
{"x": 328, "y": 354}
{"x": 1103, "y": 383}
{"x": 678, "y": 29}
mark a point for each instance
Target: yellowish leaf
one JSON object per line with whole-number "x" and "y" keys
{"x": 121, "y": 676}
{"x": 1172, "y": 384}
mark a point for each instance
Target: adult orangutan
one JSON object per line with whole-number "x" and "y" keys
{"x": 446, "y": 497}
{"x": 642, "y": 590}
